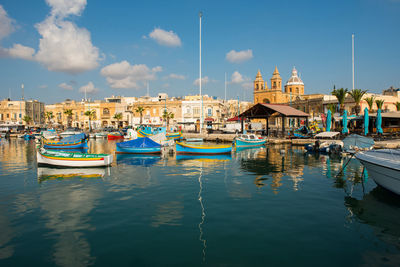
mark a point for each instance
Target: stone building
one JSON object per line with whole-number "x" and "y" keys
{"x": 13, "y": 112}
{"x": 293, "y": 88}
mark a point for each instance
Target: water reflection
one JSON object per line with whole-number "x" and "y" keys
{"x": 379, "y": 209}
{"x": 48, "y": 173}
{"x": 66, "y": 212}
{"x": 6, "y": 236}
{"x": 138, "y": 160}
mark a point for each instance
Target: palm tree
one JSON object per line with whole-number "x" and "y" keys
{"x": 90, "y": 114}
{"x": 379, "y": 103}
{"x": 357, "y": 95}
{"x": 49, "y": 115}
{"x": 341, "y": 96}
{"x": 397, "y": 106}
{"x": 118, "y": 117}
{"x": 167, "y": 116}
{"x": 370, "y": 101}
{"x": 27, "y": 119}
{"x": 69, "y": 114}
{"x": 140, "y": 110}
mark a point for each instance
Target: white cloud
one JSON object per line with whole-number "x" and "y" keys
{"x": 63, "y": 46}
{"x": 124, "y": 75}
{"x": 204, "y": 80}
{"x": 247, "y": 85}
{"x": 6, "y": 23}
{"x": 63, "y": 8}
{"x": 21, "y": 51}
{"x": 176, "y": 76}
{"x": 66, "y": 86}
{"x": 66, "y": 48}
{"x": 237, "y": 77}
{"x": 240, "y": 56}
{"x": 89, "y": 88}
{"x": 167, "y": 38}
{"x": 43, "y": 86}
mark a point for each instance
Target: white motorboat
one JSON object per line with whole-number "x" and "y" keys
{"x": 383, "y": 166}
{"x": 50, "y": 135}
{"x": 70, "y": 132}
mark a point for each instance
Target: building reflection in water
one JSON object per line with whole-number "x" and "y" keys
{"x": 272, "y": 165}
{"x": 379, "y": 209}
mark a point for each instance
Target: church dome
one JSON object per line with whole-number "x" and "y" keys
{"x": 294, "y": 79}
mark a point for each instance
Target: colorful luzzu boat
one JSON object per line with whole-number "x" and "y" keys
{"x": 146, "y": 131}
{"x": 174, "y": 136}
{"x": 249, "y": 140}
{"x": 69, "y": 159}
{"x": 139, "y": 146}
{"x": 115, "y": 136}
{"x": 182, "y": 148}
{"x": 71, "y": 142}
{"x": 142, "y": 133}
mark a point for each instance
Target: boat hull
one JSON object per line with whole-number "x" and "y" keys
{"x": 250, "y": 143}
{"x": 73, "y": 161}
{"x": 136, "y": 150}
{"x": 65, "y": 145}
{"x": 114, "y": 137}
{"x": 382, "y": 171}
{"x": 202, "y": 150}
{"x": 174, "y": 136}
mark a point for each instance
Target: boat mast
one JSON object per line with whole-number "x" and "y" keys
{"x": 352, "y": 50}
{"x": 201, "y": 96}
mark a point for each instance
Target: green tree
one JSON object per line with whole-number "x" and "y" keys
{"x": 341, "y": 97}
{"x": 69, "y": 114}
{"x": 27, "y": 119}
{"x": 140, "y": 110}
{"x": 49, "y": 116}
{"x": 379, "y": 103}
{"x": 332, "y": 108}
{"x": 397, "y": 106}
{"x": 357, "y": 95}
{"x": 90, "y": 114}
{"x": 370, "y": 101}
{"x": 167, "y": 116}
{"x": 118, "y": 117}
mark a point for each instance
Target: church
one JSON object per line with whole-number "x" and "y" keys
{"x": 294, "y": 88}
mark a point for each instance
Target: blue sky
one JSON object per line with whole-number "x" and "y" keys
{"x": 58, "y": 48}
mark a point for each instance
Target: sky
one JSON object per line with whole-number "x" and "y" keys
{"x": 58, "y": 49}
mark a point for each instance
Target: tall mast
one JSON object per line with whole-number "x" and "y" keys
{"x": 225, "y": 86}
{"x": 201, "y": 96}
{"x": 352, "y": 46}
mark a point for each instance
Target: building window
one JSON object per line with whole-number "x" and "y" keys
{"x": 106, "y": 111}
{"x": 196, "y": 111}
{"x": 274, "y": 84}
{"x": 290, "y": 89}
{"x": 256, "y": 86}
{"x": 297, "y": 89}
{"x": 209, "y": 112}
{"x": 8, "y": 115}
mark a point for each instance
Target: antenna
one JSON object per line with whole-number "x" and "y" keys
{"x": 352, "y": 50}
{"x": 9, "y": 93}
{"x": 22, "y": 87}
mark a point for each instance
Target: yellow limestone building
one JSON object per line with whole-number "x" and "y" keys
{"x": 294, "y": 88}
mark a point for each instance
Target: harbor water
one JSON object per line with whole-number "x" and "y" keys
{"x": 270, "y": 206}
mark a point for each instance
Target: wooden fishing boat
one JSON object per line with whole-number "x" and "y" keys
{"x": 174, "y": 136}
{"x": 249, "y": 140}
{"x": 182, "y": 148}
{"x": 71, "y": 142}
{"x": 139, "y": 146}
{"x": 115, "y": 136}
{"x": 142, "y": 133}
{"x": 69, "y": 159}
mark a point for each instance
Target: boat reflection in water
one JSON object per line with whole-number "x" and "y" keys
{"x": 379, "y": 209}
{"x": 205, "y": 158}
{"x": 48, "y": 173}
{"x": 137, "y": 159}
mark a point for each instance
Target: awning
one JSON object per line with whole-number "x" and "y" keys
{"x": 209, "y": 119}
{"x": 236, "y": 118}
